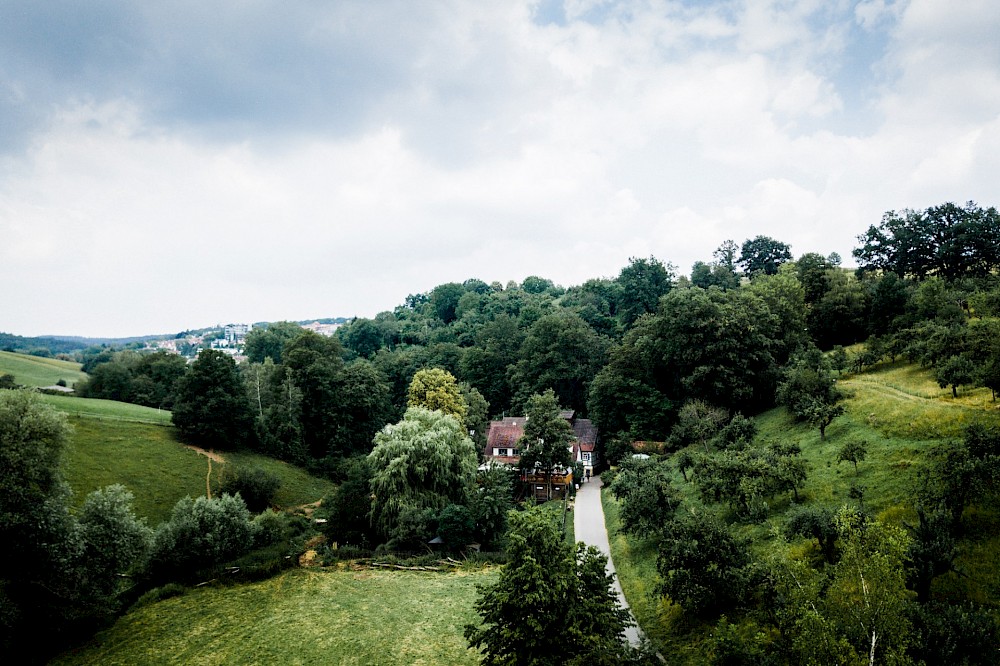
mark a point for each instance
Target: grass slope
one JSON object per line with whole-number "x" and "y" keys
{"x": 37, "y": 371}
{"x": 304, "y": 616}
{"x": 115, "y": 442}
{"x": 902, "y": 414}
{"x": 108, "y": 410}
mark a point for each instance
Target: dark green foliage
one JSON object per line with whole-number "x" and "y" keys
{"x": 853, "y": 451}
{"x": 58, "y": 570}
{"x": 747, "y": 477}
{"x": 947, "y": 240}
{"x": 960, "y": 635}
{"x": 697, "y": 423}
{"x": 551, "y": 604}
{"x": 492, "y": 498}
{"x": 809, "y": 390}
{"x": 560, "y": 353}
{"x": 212, "y": 409}
{"x": 763, "y": 255}
{"x": 269, "y": 342}
{"x": 647, "y": 496}
{"x": 201, "y": 533}
{"x": 739, "y": 432}
{"x": 256, "y": 486}
{"x": 444, "y": 300}
{"x": 315, "y": 366}
{"x": 932, "y": 550}
{"x": 955, "y": 371}
{"x": 547, "y": 436}
{"x": 347, "y": 507}
{"x": 839, "y": 317}
{"x": 7, "y": 382}
{"x": 704, "y": 568}
{"x": 642, "y": 284}
{"x": 816, "y": 523}
{"x": 456, "y": 526}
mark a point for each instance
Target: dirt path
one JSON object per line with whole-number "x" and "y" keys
{"x": 211, "y": 455}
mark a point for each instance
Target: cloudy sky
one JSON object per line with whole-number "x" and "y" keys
{"x": 167, "y": 165}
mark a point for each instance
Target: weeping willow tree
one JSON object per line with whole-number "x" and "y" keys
{"x": 426, "y": 461}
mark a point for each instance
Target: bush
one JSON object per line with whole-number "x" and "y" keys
{"x": 201, "y": 533}
{"x": 256, "y": 486}
{"x": 455, "y": 526}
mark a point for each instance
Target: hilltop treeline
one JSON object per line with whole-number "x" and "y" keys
{"x": 628, "y": 351}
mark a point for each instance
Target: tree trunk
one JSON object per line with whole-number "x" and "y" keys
{"x": 954, "y": 391}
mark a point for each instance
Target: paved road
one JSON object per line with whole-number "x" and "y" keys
{"x": 588, "y": 521}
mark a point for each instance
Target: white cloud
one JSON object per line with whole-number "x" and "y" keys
{"x": 469, "y": 141}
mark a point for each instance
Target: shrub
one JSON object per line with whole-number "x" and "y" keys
{"x": 256, "y": 486}
{"x": 201, "y": 533}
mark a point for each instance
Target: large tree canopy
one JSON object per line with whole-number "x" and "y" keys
{"x": 425, "y": 461}
{"x": 947, "y": 240}
{"x": 212, "y": 409}
{"x": 552, "y": 604}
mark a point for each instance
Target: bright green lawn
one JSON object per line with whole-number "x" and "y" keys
{"x": 108, "y": 409}
{"x": 158, "y": 469}
{"x": 304, "y": 616}
{"x": 37, "y": 371}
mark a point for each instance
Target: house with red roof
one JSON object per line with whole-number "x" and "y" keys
{"x": 502, "y": 440}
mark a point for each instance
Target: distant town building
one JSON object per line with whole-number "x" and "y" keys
{"x": 236, "y": 333}
{"x": 323, "y": 329}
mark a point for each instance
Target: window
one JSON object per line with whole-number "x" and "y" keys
{"x": 586, "y": 457}
{"x": 500, "y": 452}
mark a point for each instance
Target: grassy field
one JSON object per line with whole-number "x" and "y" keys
{"x": 902, "y": 414}
{"x": 115, "y": 442}
{"x": 305, "y": 616}
{"x": 108, "y": 410}
{"x": 37, "y": 371}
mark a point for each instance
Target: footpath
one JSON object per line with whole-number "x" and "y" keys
{"x": 588, "y": 521}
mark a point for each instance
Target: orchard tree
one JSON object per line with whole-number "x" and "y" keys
{"x": 647, "y": 496}
{"x": 212, "y": 409}
{"x": 810, "y": 392}
{"x": 426, "y": 461}
{"x": 853, "y": 451}
{"x": 551, "y": 604}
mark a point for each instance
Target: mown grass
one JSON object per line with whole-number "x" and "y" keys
{"x": 108, "y": 409}
{"x": 903, "y": 415}
{"x": 305, "y": 616}
{"x": 114, "y": 443}
{"x": 37, "y": 371}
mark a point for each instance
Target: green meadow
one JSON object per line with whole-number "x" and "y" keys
{"x": 116, "y": 442}
{"x": 37, "y": 371}
{"x": 304, "y": 616}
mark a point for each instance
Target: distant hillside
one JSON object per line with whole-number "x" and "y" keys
{"x": 38, "y": 371}
{"x": 63, "y": 344}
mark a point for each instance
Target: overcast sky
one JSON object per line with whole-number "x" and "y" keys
{"x": 169, "y": 165}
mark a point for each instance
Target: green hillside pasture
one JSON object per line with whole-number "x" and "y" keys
{"x": 37, "y": 371}
{"x": 903, "y": 400}
{"x": 305, "y": 616}
{"x": 298, "y": 487}
{"x": 158, "y": 469}
{"x": 108, "y": 410}
{"x": 145, "y": 458}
